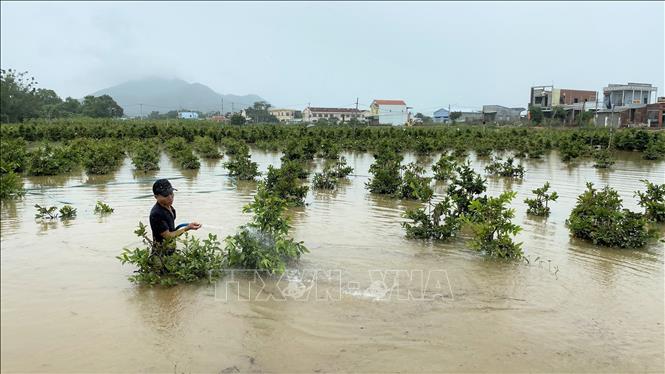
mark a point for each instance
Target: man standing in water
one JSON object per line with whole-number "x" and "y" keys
{"x": 162, "y": 215}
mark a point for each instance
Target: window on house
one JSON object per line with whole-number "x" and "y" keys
{"x": 575, "y": 100}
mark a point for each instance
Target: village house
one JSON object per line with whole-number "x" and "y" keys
{"x": 629, "y": 104}
{"x": 389, "y": 112}
{"x": 285, "y": 115}
{"x": 501, "y": 114}
{"x": 441, "y": 116}
{"x": 573, "y": 102}
{"x": 188, "y": 115}
{"x": 313, "y": 114}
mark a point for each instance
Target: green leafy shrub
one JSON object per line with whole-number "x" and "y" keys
{"x": 103, "y": 208}
{"x": 653, "y": 201}
{"x": 183, "y": 153}
{"x": 603, "y": 158}
{"x": 539, "y": 205}
{"x": 46, "y": 213}
{"x": 264, "y": 244}
{"x": 340, "y": 169}
{"x": 444, "y": 169}
{"x": 655, "y": 150}
{"x": 535, "y": 149}
{"x": 145, "y": 156}
{"x": 465, "y": 187}
{"x": 436, "y": 221}
{"x": 49, "y": 160}
{"x": 385, "y": 170}
{"x": 329, "y": 150}
{"x": 505, "y": 169}
{"x": 11, "y": 184}
{"x": 193, "y": 261}
{"x": 599, "y": 218}
{"x": 299, "y": 150}
{"x": 67, "y": 212}
{"x": 284, "y": 183}
{"x": 188, "y": 160}
{"x": 13, "y": 154}
{"x": 571, "y": 150}
{"x": 460, "y": 151}
{"x": 483, "y": 149}
{"x": 242, "y": 167}
{"x": 103, "y": 157}
{"x": 493, "y": 229}
{"x": 234, "y": 147}
{"x": 331, "y": 175}
{"x": 324, "y": 180}
{"x": 206, "y": 147}
{"x": 414, "y": 184}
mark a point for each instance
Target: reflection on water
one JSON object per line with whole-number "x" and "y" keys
{"x": 65, "y": 295}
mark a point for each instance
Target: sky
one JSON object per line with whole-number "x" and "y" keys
{"x": 430, "y": 54}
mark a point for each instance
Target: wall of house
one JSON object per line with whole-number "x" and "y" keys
{"x": 626, "y": 98}
{"x": 441, "y": 115}
{"x": 470, "y": 117}
{"x": 568, "y": 96}
{"x": 395, "y": 115}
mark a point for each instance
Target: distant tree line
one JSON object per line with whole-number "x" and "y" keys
{"x": 20, "y": 99}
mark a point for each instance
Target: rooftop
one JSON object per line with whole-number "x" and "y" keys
{"x": 335, "y": 110}
{"x": 389, "y": 102}
{"x": 629, "y": 87}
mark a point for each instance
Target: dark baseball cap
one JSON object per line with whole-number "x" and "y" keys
{"x": 162, "y": 187}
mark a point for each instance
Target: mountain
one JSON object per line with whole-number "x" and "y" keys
{"x": 163, "y": 95}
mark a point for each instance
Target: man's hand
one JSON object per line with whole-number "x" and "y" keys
{"x": 194, "y": 226}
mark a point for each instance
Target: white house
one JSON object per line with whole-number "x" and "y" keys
{"x": 389, "y": 112}
{"x": 313, "y": 114}
{"x": 188, "y": 115}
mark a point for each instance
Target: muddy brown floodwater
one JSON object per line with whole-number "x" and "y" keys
{"x": 365, "y": 299}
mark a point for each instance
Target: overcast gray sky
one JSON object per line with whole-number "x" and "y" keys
{"x": 327, "y": 54}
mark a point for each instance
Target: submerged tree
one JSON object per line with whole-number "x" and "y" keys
{"x": 600, "y": 218}
{"x": 538, "y": 206}
{"x": 493, "y": 229}
{"x": 465, "y": 187}
{"x": 505, "y": 169}
{"x": 414, "y": 184}
{"x": 263, "y": 244}
{"x": 444, "y": 169}
{"x": 386, "y": 173}
{"x": 242, "y": 167}
{"x": 190, "y": 261}
{"x": 653, "y": 201}
{"x": 436, "y": 221}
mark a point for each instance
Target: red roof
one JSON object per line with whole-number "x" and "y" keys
{"x": 389, "y": 102}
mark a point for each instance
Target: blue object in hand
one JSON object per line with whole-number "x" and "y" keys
{"x": 181, "y": 225}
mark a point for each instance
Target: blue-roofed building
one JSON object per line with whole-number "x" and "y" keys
{"x": 441, "y": 116}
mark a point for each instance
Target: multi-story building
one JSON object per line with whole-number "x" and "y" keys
{"x": 631, "y": 95}
{"x": 285, "y": 115}
{"x": 547, "y": 97}
{"x": 313, "y": 114}
{"x": 389, "y": 112}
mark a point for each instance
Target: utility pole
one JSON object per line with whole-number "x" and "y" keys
{"x": 356, "y": 103}
{"x": 222, "y": 106}
{"x": 232, "y": 108}
{"x": 141, "y": 107}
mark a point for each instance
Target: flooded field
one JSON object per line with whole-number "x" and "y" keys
{"x": 354, "y": 303}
